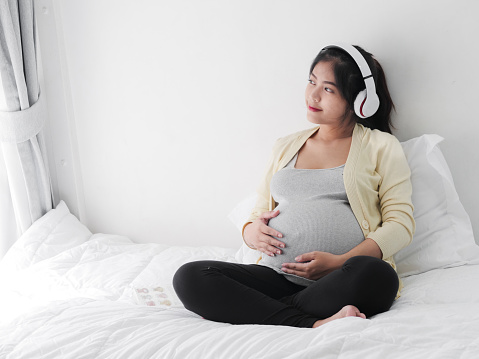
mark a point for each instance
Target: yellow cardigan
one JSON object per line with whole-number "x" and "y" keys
{"x": 377, "y": 181}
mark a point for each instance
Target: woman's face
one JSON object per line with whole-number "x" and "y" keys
{"x": 325, "y": 104}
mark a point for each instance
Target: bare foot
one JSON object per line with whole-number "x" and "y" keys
{"x": 346, "y": 311}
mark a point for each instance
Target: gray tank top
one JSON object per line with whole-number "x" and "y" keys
{"x": 315, "y": 215}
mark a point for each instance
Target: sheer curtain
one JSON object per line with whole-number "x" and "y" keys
{"x": 25, "y": 192}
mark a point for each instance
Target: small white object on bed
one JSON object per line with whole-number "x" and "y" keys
{"x": 68, "y": 293}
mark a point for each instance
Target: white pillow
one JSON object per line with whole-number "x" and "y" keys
{"x": 55, "y": 232}
{"x": 443, "y": 235}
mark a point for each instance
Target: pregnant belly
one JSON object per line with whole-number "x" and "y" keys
{"x": 307, "y": 228}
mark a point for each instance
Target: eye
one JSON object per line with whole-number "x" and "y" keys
{"x": 311, "y": 82}
{"x": 328, "y": 89}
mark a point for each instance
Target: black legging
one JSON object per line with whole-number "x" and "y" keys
{"x": 255, "y": 294}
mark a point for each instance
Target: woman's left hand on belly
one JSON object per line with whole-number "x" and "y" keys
{"x": 313, "y": 265}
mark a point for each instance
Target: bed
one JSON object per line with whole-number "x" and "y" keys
{"x": 68, "y": 293}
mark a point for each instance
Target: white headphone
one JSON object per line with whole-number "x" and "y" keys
{"x": 367, "y": 101}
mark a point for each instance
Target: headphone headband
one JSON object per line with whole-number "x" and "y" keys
{"x": 367, "y": 101}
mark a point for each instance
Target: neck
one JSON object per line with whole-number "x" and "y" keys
{"x": 332, "y": 133}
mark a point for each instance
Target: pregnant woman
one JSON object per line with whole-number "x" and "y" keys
{"x": 333, "y": 208}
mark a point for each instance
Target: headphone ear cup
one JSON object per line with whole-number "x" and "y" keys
{"x": 365, "y": 106}
{"x": 359, "y": 103}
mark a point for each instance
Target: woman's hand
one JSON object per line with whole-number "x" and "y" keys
{"x": 314, "y": 265}
{"x": 259, "y": 236}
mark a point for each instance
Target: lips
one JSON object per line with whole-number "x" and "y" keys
{"x": 314, "y": 109}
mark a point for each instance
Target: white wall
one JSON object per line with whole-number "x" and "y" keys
{"x": 167, "y": 110}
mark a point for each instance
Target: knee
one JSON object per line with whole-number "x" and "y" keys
{"x": 185, "y": 271}
{"x": 195, "y": 283}
{"x": 187, "y": 278}
{"x": 377, "y": 283}
{"x": 371, "y": 267}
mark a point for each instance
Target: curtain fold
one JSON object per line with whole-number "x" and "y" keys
{"x": 25, "y": 189}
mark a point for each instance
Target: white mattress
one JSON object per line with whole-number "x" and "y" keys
{"x": 68, "y": 294}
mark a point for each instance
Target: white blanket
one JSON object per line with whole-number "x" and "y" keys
{"x": 66, "y": 293}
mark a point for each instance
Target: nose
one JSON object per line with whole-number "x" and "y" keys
{"x": 315, "y": 95}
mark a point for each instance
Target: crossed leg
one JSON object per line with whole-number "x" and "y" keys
{"x": 254, "y": 294}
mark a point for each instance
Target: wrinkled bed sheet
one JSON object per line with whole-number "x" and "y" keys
{"x": 66, "y": 293}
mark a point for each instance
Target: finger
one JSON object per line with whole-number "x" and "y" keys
{"x": 289, "y": 271}
{"x": 267, "y": 247}
{"x": 270, "y": 251}
{"x": 269, "y": 214}
{"x": 271, "y": 248}
{"x": 306, "y": 257}
{"x": 294, "y": 267}
{"x": 272, "y": 233}
{"x": 294, "y": 272}
{"x": 274, "y": 243}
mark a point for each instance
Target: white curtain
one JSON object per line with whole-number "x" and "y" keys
{"x": 25, "y": 191}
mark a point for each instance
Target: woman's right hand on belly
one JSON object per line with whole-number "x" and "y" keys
{"x": 258, "y": 235}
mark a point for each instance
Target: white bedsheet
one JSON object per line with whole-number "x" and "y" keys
{"x": 68, "y": 294}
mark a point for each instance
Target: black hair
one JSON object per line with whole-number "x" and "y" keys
{"x": 350, "y": 82}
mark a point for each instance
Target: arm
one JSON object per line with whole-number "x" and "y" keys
{"x": 394, "y": 192}
{"x": 256, "y": 232}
